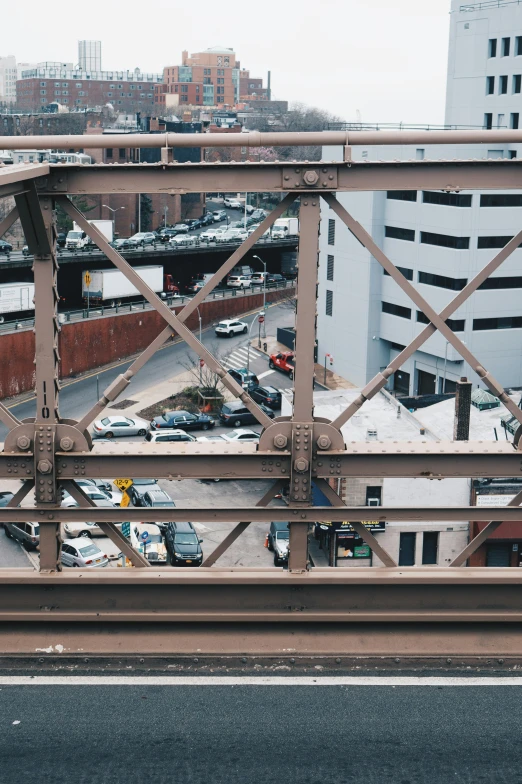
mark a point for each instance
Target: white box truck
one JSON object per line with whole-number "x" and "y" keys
{"x": 285, "y": 227}
{"x": 16, "y": 298}
{"x": 77, "y": 239}
{"x": 110, "y": 286}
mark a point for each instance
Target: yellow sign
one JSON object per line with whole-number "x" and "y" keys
{"x": 87, "y": 278}
{"x": 125, "y": 501}
{"x": 123, "y": 484}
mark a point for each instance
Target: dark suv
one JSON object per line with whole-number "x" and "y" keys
{"x": 244, "y": 378}
{"x": 269, "y": 396}
{"x": 183, "y": 545}
{"x": 236, "y": 414}
{"x": 184, "y": 420}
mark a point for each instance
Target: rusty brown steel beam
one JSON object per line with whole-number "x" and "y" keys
{"x": 36, "y": 234}
{"x": 264, "y": 139}
{"x": 281, "y": 177}
{"x": 255, "y": 514}
{"x": 8, "y": 221}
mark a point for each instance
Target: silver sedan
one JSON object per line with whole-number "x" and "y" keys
{"x": 113, "y": 426}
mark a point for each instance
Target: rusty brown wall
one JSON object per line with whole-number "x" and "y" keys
{"x": 85, "y": 345}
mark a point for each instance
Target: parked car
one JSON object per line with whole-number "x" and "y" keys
{"x": 158, "y": 436}
{"x": 124, "y": 244}
{"x": 258, "y": 278}
{"x": 231, "y": 327}
{"x": 61, "y": 239}
{"x": 241, "y": 437}
{"x": 270, "y": 396}
{"x": 153, "y": 546}
{"x": 232, "y": 235}
{"x": 166, "y": 234}
{"x": 157, "y": 498}
{"x": 237, "y": 414}
{"x": 97, "y": 494}
{"x": 259, "y": 215}
{"x": 207, "y": 219}
{"x": 246, "y": 378}
{"x": 184, "y": 420}
{"x": 5, "y": 247}
{"x": 278, "y": 542}
{"x": 73, "y": 530}
{"x": 194, "y": 223}
{"x": 283, "y": 361}
{"x": 239, "y": 282}
{"x": 5, "y": 497}
{"x": 144, "y": 238}
{"x": 183, "y": 545}
{"x": 251, "y": 229}
{"x": 113, "y": 426}
{"x": 249, "y": 209}
{"x": 138, "y": 489}
{"x": 183, "y": 240}
{"x": 84, "y": 554}
{"x": 232, "y": 204}
{"x": 219, "y": 215}
{"x": 99, "y": 499}
{"x": 103, "y": 484}
{"x": 26, "y": 533}
{"x": 181, "y": 228}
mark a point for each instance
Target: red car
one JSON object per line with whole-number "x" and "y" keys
{"x": 283, "y": 361}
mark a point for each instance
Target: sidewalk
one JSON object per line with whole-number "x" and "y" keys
{"x": 333, "y": 381}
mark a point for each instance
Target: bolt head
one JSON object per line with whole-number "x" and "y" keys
{"x": 310, "y": 177}
{"x": 66, "y": 444}
{"x": 45, "y": 466}
{"x": 301, "y": 464}
{"x": 280, "y": 441}
{"x": 323, "y": 442}
{"x": 23, "y": 442}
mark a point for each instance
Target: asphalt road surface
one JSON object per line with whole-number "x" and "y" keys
{"x": 250, "y": 734}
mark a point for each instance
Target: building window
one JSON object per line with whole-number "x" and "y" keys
{"x": 518, "y": 45}
{"x": 43, "y": 84}
{"x": 132, "y": 86}
{"x": 402, "y": 195}
{"x": 506, "y": 47}
{"x": 492, "y": 47}
{"x": 488, "y": 121}
{"x": 396, "y": 310}
{"x": 78, "y": 84}
{"x": 517, "y": 82}
{"x": 444, "y": 240}
{"x": 442, "y": 282}
{"x": 331, "y": 231}
{"x": 448, "y": 199}
{"x": 501, "y": 200}
{"x": 374, "y": 495}
{"x": 57, "y": 92}
{"x": 492, "y": 242}
{"x": 456, "y": 325}
{"x": 109, "y": 95}
{"x": 502, "y": 85}
{"x": 121, "y": 154}
{"x": 408, "y": 273}
{"x": 43, "y": 92}
{"x": 57, "y": 84}
{"x": 407, "y": 542}
{"x": 503, "y": 282}
{"x": 184, "y": 88}
{"x": 109, "y": 152}
{"x": 490, "y": 85}
{"x": 65, "y": 92}
{"x": 397, "y": 233}
{"x": 430, "y": 542}
{"x": 65, "y": 84}
{"x": 330, "y": 268}
{"x": 513, "y": 121}
{"x": 508, "y": 322}
{"x": 329, "y": 302}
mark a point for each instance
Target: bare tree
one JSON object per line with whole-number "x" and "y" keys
{"x": 202, "y": 375}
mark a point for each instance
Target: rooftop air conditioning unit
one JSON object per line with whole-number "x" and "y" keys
{"x": 373, "y": 502}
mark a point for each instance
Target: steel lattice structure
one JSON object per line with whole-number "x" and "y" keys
{"x": 50, "y": 452}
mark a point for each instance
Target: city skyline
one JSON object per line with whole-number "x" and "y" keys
{"x": 391, "y": 68}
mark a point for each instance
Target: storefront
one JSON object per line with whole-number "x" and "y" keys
{"x": 503, "y": 547}
{"x": 343, "y": 545}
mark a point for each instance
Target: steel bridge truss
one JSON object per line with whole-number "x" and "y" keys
{"x": 199, "y": 609}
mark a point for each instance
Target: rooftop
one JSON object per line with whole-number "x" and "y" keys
{"x": 440, "y": 418}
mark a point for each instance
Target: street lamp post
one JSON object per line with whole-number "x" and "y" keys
{"x": 113, "y": 211}
{"x": 264, "y": 296}
{"x": 200, "y": 365}
{"x": 255, "y": 318}
{"x": 245, "y": 217}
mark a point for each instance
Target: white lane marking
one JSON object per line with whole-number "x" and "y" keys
{"x": 257, "y": 680}
{"x": 266, "y": 373}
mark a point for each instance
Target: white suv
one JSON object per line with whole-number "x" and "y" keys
{"x": 239, "y": 282}
{"x": 233, "y": 204}
{"x": 231, "y": 327}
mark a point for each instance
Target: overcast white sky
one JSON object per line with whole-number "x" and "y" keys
{"x": 385, "y": 58}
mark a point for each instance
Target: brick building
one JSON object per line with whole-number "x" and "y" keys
{"x": 209, "y": 78}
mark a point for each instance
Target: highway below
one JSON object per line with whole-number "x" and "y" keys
{"x": 78, "y": 395}
{"x": 234, "y": 731}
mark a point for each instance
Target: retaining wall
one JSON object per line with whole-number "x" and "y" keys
{"x": 92, "y": 343}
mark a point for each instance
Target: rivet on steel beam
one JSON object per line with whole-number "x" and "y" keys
{"x": 45, "y": 466}
{"x": 301, "y": 464}
{"x": 292, "y": 661}
{"x": 23, "y": 442}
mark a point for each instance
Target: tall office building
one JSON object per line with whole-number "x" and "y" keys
{"x": 439, "y": 240}
{"x": 89, "y": 56}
